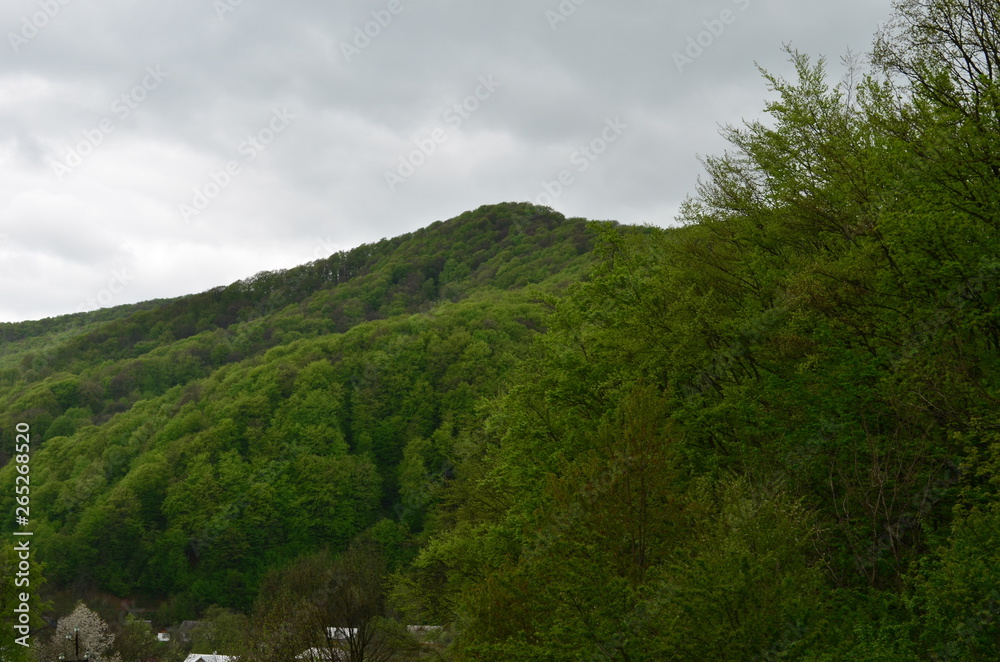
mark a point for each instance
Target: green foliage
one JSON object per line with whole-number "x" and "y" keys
{"x": 185, "y": 447}
{"x": 819, "y": 344}
{"x": 957, "y": 596}
{"x": 220, "y": 630}
{"x": 767, "y": 434}
{"x": 745, "y": 582}
{"x": 136, "y": 642}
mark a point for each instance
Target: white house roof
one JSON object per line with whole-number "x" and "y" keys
{"x": 202, "y": 657}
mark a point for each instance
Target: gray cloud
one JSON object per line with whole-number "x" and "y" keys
{"x": 357, "y": 105}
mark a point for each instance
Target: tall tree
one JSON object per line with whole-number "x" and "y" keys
{"x": 333, "y": 608}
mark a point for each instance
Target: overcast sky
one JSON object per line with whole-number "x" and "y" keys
{"x": 152, "y": 150}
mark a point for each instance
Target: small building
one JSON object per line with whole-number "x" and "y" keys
{"x": 427, "y": 635}
{"x": 185, "y": 629}
{"x": 341, "y": 634}
{"x": 203, "y": 657}
{"x": 163, "y": 635}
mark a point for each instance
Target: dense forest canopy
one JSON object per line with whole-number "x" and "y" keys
{"x": 769, "y": 433}
{"x": 183, "y": 448}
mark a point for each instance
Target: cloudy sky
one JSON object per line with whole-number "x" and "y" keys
{"x": 153, "y": 149}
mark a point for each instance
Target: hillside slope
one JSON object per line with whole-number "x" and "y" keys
{"x": 185, "y": 446}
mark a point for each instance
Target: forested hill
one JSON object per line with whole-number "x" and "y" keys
{"x": 497, "y": 246}
{"x": 184, "y": 446}
{"x": 771, "y": 433}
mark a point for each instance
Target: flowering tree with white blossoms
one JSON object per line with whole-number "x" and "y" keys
{"x": 96, "y": 640}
